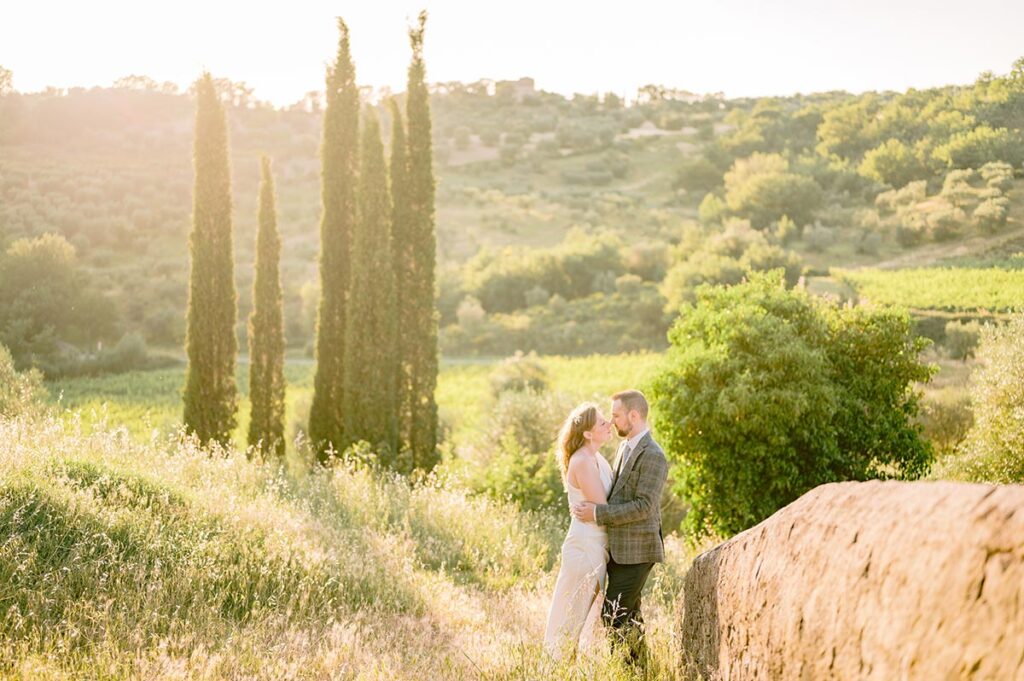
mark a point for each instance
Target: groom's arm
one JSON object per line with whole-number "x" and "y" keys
{"x": 653, "y": 474}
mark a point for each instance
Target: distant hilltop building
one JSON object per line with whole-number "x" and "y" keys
{"x": 515, "y": 89}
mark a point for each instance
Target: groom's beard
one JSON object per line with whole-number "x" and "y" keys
{"x": 621, "y": 432}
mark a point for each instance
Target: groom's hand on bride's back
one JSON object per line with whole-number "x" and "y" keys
{"x": 583, "y": 511}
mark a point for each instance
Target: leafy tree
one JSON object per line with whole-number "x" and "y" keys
{"x": 982, "y": 145}
{"x": 762, "y": 190}
{"x": 892, "y": 163}
{"x": 994, "y": 449}
{"x": 210, "y": 397}
{"x": 768, "y": 392}
{"x": 46, "y": 299}
{"x": 339, "y": 155}
{"x": 266, "y": 328}
{"x": 371, "y": 359}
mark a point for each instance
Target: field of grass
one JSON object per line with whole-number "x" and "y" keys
{"x": 932, "y": 288}
{"x": 149, "y": 401}
{"x": 124, "y": 559}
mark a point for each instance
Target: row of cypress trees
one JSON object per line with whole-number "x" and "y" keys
{"x": 376, "y": 348}
{"x": 376, "y": 342}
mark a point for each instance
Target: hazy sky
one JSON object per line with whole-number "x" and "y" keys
{"x": 740, "y": 47}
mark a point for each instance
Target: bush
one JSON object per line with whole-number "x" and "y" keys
{"x": 519, "y": 373}
{"x": 768, "y": 392}
{"x": 991, "y": 215}
{"x": 994, "y": 449}
{"x": 997, "y": 175}
{"x": 946, "y": 418}
{"x": 514, "y": 459}
{"x": 892, "y": 163}
{"x": 20, "y": 393}
{"x": 962, "y": 338}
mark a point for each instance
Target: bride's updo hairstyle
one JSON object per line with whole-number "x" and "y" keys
{"x": 570, "y": 438}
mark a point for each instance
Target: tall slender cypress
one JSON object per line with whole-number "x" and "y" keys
{"x": 370, "y": 342}
{"x": 339, "y": 158}
{"x": 210, "y": 394}
{"x": 423, "y": 428}
{"x": 266, "y": 329}
{"x": 402, "y": 263}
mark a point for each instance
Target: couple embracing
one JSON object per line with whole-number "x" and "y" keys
{"x": 614, "y": 537}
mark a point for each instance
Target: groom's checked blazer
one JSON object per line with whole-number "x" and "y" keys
{"x": 632, "y": 515}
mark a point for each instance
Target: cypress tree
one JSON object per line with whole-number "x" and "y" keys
{"x": 370, "y": 341}
{"x": 210, "y": 394}
{"x": 338, "y": 177}
{"x": 423, "y": 240}
{"x": 402, "y": 259}
{"x": 266, "y": 329}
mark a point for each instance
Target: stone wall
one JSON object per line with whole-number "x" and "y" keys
{"x": 865, "y": 580}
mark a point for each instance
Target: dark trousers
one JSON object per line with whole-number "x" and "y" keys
{"x": 621, "y": 610}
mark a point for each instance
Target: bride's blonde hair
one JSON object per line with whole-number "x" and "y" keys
{"x": 570, "y": 437}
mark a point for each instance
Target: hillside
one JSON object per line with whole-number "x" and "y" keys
{"x": 159, "y": 561}
{"x": 537, "y": 173}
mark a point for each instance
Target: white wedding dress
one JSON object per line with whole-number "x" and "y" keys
{"x": 576, "y": 605}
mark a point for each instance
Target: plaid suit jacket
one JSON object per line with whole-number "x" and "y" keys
{"x": 632, "y": 515}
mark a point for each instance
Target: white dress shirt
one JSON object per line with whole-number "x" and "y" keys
{"x": 631, "y": 444}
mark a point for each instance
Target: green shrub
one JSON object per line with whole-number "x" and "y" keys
{"x": 990, "y": 216}
{"x": 519, "y": 373}
{"x": 513, "y": 458}
{"x": 994, "y": 449}
{"x": 946, "y": 418}
{"x": 768, "y": 392}
{"x": 962, "y": 338}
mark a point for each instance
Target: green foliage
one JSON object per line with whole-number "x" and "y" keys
{"x": 725, "y": 258}
{"x": 768, "y": 392}
{"x": 946, "y": 418}
{"x": 46, "y": 300}
{"x": 418, "y": 284}
{"x": 936, "y": 288}
{"x": 502, "y": 280}
{"x": 994, "y": 449}
{"x": 513, "y": 457}
{"x": 626, "y": 320}
{"x": 210, "y": 394}
{"x": 266, "y": 329}
{"x": 339, "y": 155}
{"x": 762, "y": 189}
{"x": 990, "y": 215}
{"x": 519, "y": 373}
{"x": 372, "y": 371}
{"x": 21, "y": 393}
{"x": 962, "y": 338}
{"x": 892, "y": 163}
{"x": 997, "y": 175}
{"x": 975, "y": 148}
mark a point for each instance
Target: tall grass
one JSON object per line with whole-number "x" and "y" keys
{"x": 122, "y": 558}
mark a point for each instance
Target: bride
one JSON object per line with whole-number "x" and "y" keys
{"x": 576, "y": 605}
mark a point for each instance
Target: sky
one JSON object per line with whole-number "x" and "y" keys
{"x": 739, "y": 47}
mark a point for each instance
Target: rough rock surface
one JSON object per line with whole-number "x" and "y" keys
{"x": 865, "y": 580}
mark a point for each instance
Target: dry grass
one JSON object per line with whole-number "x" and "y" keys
{"x": 159, "y": 560}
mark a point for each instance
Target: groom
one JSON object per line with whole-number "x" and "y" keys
{"x": 632, "y": 517}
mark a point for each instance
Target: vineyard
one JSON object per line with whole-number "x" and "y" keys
{"x": 953, "y": 289}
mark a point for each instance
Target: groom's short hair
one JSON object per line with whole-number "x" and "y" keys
{"x": 633, "y": 400}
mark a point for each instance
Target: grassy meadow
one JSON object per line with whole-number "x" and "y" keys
{"x": 127, "y": 558}
{"x": 148, "y": 401}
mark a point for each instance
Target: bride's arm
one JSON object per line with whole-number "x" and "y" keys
{"x": 584, "y": 475}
